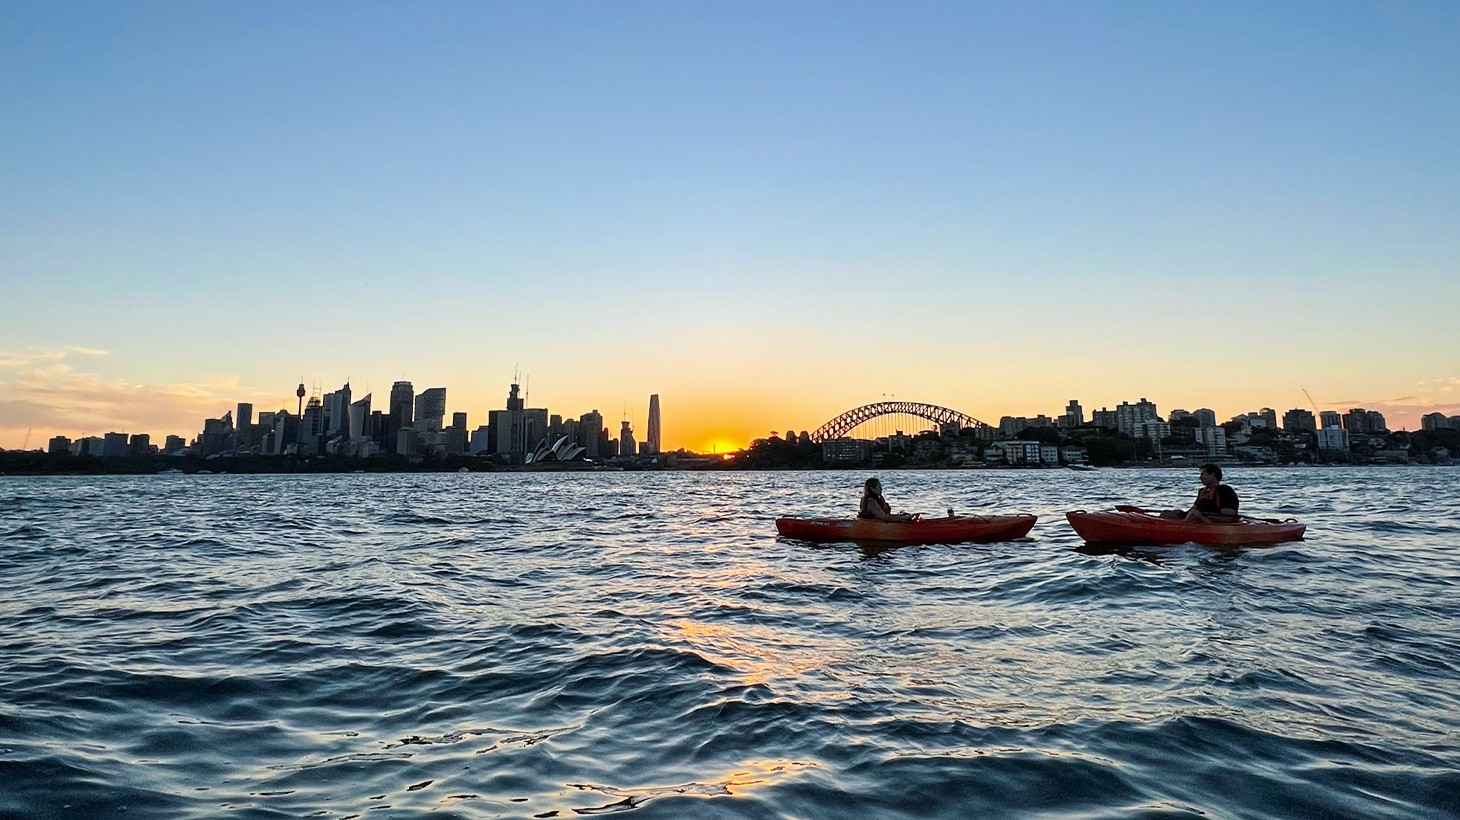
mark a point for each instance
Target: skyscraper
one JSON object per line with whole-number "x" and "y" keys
{"x": 654, "y": 433}
{"x": 398, "y": 414}
{"x": 590, "y": 432}
{"x": 508, "y": 433}
{"x": 359, "y": 411}
{"x": 626, "y": 445}
{"x": 431, "y": 410}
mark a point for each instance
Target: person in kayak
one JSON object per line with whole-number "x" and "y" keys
{"x": 1216, "y": 503}
{"x": 874, "y": 506}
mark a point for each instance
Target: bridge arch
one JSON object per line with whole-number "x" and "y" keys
{"x": 846, "y": 422}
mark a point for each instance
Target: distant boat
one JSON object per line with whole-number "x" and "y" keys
{"x": 1084, "y": 468}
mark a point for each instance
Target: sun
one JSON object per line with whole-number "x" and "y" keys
{"x": 722, "y": 446}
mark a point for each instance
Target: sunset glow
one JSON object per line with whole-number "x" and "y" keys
{"x": 742, "y": 211}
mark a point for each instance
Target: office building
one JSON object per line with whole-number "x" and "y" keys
{"x": 591, "y": 433}
{"x": 398, "y": 412}
{"x": 654, "y": 439}
{"x": 1205, "y": 417}
{"x": 1329, "y": 418}
{"x": 431, "y": 410}
{"x": 59, "y": 444}
{"x": 1434, "y": 421}
{"x": 358, "y": 444}
{"x": 626, "y": 445}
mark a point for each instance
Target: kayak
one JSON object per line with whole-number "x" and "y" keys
{"x": 982, "y": 528}
{"x": 1144, "y": 528}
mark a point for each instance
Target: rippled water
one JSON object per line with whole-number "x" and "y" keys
{"x": 517, "y": 645}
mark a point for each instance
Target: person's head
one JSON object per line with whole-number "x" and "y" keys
{"x": 872, "y": 487}
{"x": 1211, "y": 474}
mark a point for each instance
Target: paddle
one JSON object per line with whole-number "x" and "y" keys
{"x": 1129, "y": 508}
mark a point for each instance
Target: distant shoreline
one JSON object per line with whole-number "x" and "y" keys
{"x": 33, "y": 463}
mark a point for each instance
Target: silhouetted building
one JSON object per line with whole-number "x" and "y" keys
{"x": 311, "y": 428}
{"x": 59, "y": 444}
{"x": 626, "y": 446}
{"x": 358, "y": 444}
{"x": 654, "y": 437}
{"x": 591, "y": 433}
{"x": 430, "y": 410}
{"x": 402, "y": 398}
{"x": 1074, "y": 415}
{"x": 1214, "y": 439}
{"x": 1298, "y": 420}
{"x": 141, "y": 445}
{"x": 244, "y": 423}
{"x": 174, "y": 444}
{"x": 1205, "y": 417}
{"x": 1329, "y": 418}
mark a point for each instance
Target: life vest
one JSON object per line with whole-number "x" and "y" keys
{"x": 881, "y": 502}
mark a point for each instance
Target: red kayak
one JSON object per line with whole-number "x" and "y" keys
{"x": 981, "y": 528}
{"x": 1144, "y": 528}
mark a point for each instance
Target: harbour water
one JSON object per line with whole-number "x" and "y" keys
{"x": 530, "y": 645}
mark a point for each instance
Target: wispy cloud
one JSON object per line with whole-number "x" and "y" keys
{"x": 29, "y": 357}
{"x": 43, "y": 394}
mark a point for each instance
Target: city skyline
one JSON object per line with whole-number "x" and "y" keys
{"x": 406, "y": 401}
{"x": 765, "y": 214}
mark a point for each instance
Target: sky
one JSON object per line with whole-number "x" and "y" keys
{"x": 766, "y": 213}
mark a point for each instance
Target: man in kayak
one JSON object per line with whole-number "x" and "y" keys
{"x": 1216, "y": 503}
{"x": 874, "y": 506}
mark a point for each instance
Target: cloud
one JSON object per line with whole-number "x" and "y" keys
{"x": 87, "y": 351}
{"x": 41, "y": 395}
{"x": 11, "y": 359}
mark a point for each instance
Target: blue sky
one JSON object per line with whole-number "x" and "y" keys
{"x": 785, "y": 209}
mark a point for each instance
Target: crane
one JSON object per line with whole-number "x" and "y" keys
{"x": 1316, "y": 411}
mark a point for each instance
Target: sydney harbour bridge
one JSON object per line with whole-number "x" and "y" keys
{"x": 884, "y": 418}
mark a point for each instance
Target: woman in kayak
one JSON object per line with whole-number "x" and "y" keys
{"x": 874, "y": 506}
{"x": 1216, "y": 503}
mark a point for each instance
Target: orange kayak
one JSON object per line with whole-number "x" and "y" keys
{"x": 1143, "y": 528}
{"x": 981, "y": 528}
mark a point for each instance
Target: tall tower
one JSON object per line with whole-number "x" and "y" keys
{"x": 653, "y": 432}
{"x": 626, "y": 446}
{"x": 398, "y": 412}
{"x": 300, "y": 393}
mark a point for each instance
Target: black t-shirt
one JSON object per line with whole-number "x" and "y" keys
{"x": 1209, "y": 503}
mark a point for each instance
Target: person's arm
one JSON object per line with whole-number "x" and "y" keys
{"x": 1227, "y": 502}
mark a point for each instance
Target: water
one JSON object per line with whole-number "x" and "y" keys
{"x": 521, "y": 645}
